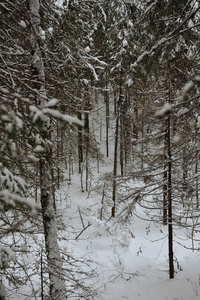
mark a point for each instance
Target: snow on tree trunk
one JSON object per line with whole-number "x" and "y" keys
{"x": 55, "y": 269}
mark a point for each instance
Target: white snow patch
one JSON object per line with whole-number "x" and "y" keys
{"x": 53, "y": 102}
{"x": 166, "y": 109}
{"x": 39, "y": 149}
{"x": 87, "y": 49}
{"x": 125, "y": 43}
{"x": 22, "y": 24}
{"x": 182, "y": 111}
{"x": 129, "y": 82}
{"x": 187, "y": 88}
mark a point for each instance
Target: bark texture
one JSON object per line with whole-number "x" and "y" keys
{"x": 56, "y": 275}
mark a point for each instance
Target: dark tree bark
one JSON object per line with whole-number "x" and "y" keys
{"x": 106, "y": 95}
{"x": 169, "y": 198}
{"x": 169, "y": 191}
{"x": 80, "y": 145}
{"x": 87, "y": 145}
{"x": 116, "y": 151}
{"x": 165, "y": 174}
{"x": 115, "y": 164}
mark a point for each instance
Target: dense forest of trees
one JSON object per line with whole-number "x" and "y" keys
{"x": 57, "y": 60}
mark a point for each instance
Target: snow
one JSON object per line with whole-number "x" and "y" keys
{"x": 135, "y": 266}
{"x": 129, "y": 82}
{"x": 47, "y": 110}
{"x": 59, "y": 3}
{"x": 42, "y": 34}
{"x": 87, "y": 49}
{"x": 50, "y": 29}
{"x": 167, "y": 108}
{"x": 6, "y": 255}
{"x": 131, "y": 260}
{"x": 22, "y": 23}
{"x": 13, "y": 199}
{"x": 72, "y": 120}
{"x": 182, "y": 111}
{"x": 33, "y": 158}
{"x": 51, "y": 103}
{"x": 145, "y": 53}
{"x": 39, "y": 149}
{"x": 187, "y": 88}
{"x": 196, "y": 80}
{"x": 125, "y": 43}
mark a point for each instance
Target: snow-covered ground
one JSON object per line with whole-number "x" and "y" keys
{"x": 133, "y": 260}
{"x": 130, "y": 260}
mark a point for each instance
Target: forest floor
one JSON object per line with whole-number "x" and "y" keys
{"x": 129, "y": 260}
{"x": 132, "y": 260}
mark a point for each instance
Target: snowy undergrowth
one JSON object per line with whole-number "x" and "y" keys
{"x": 131, "y": 261}
{"x": 108, "y": 260}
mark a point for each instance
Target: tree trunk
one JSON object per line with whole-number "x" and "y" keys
{"x": 80, "y": 145}
{"x": 106, "y": 96}
{"x": 115, "y": 165}
{"x": 87, "y": 145}
{"x": 122, "y": 142}
{"x": 116, "y": 153}
{"x": 169, "y": 192}
{"x": 56, "y": 276}
{"x": 197, "y": 166}
{"x": 197, "y": 179}
{"x": 165, "y": 175}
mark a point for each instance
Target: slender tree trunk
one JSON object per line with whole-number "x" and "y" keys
{"x": 127, "y": 132}
{"x": 165, "y": 196}
{"x": 142, "y": 142}
{"x": 106, "y": 95}
{"x": 54, "y": 261}
{"x": 87, "y": 145}
{"x": 122, "y": 143}
{"x": 80, "y": 145}
{"x": 41, "y": 275}
{"x": 115, "y": 103}
{"x": 184, "y": 180}
{"x": 58, "y": 152}
{"x": 115, "y": 165}
{"x": 197, "y": 180}
{"x": 169, "y": 192}
{"x": 165, "y": 173}
{"x": 116, "y": 153}
{"x": 197, "y": 167}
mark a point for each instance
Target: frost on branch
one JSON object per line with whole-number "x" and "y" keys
{"x": 189, "y": 86}
{"x": 165, "y": 110}
{"x": 11, "y": 200}
{"x": 41, "y": 114}
{"x": 6, "y": 256}
{"x": 196, "y": 80}
{"x": 146, "y": 53}
{"x": 182, "y": 111}
{"x": 12, "y": 121}
{"x": 13, "y": 183}
{"x": 186, "y": 89}
{"x": 11, "y": 191}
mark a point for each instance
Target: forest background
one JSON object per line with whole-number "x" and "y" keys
{"x": 60, "y": 62}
